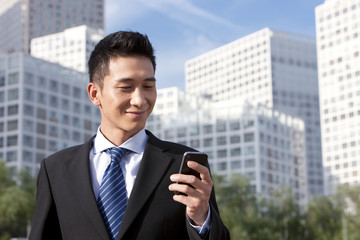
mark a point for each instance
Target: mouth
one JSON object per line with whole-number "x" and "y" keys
{"x": 136, "y": 114}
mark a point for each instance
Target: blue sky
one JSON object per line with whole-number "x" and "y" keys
{"x": 182, "y": 29}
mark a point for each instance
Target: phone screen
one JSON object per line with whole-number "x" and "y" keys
{"x": 192, "y": 156}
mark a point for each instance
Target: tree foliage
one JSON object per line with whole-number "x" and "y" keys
{"x": 249, "y": 217}
{"x": 17, "y": 201}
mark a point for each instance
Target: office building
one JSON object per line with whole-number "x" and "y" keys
{"x": 70, "y": 48}
{"x": 273, "y": 68}
{"x": 23, "y": 20}
{"x": 338, "y": 50}
{"x": 261, "y": 143}
{"x": 44, "y": 107}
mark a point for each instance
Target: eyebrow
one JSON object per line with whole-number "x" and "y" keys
{"x": 151, "y": 79}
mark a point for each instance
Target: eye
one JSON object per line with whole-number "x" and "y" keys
{"x": 125, "y": 88}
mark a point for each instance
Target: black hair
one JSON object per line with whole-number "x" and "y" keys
{"x": 122, "y": 43}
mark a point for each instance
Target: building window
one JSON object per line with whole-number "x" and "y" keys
{"x": 65, "y": 89}
{"x": 195, "y": 143}
{"x": 220, "y": 126}
{"x": 87, "y": 125}
{"x": 39, "y": 157}
{"x": 27, "y": 156}
{"x": 53, "y": 116}
{"x": 249, "y": 163}
{"x": 28, "y": 125}
{"x": 77, "y": 107}
{"x": 234, "y": 125}
{"x": 65, "y": 119}
{"x": 235, "y": 152}
{"x": 53, "y": 131}
{"x": 28, "y": 110}
{"x": 76, "y": 122}
{"x": 41, "y": 113}
{"x": 234, "y": 139}
{"x": 222, "y": 153}
{"x": 28, "y": 141}
{"x": 53, "y": 86}
{"x": 53, "y": 101}
{"x": 208, "y": 142}
{"x": 12, "y": 125}
{"x": 40, "y": 143}
{"x": 11, "y": 156}
{"x": 13, "y": 78}
{"x": 221, "y": 166}
{"x": 13, "y": 110}
{"x": 29, "y": 79}
{"x": 76, "y": 92}
{"x": 2, "y": 79}
{"x": 65, "y": 105}
{"x": 41, "y": 128}
{"x": 52, "y": 146}
{"x": 249, "y": 137}
{"x": 2, "y": 96}
{"x": 181, "y": 132}
{"x": 65, "y": 134}
{"x": 194, "y": 130}
{"x": 12, "y": 140}
{"x": 41, "y": 98}
{"x": 207, "y": 129}
{"x": 221, "y": 140}
{"x": 87, "y": 110}
{"x": 76, "y": 136}
{"x": 235, "y": 165}
{"x": 13, "y": 94}
{"x": 249, "y": 150}
{"x": 41, "y": 82}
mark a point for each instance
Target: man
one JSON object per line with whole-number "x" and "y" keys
{"x": 72, "y": 183}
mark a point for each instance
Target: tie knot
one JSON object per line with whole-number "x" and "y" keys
{"x": 117, "y": 153}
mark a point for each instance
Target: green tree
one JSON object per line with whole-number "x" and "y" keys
{"x": 17, "y": 202}
{"x": 348, "y": 201}
{"x": 285, "y": 215}
{"x": 239, "y": 210}
{"x": 323, "y": 219}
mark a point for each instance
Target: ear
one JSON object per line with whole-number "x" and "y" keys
{"x": 94, "y": 92}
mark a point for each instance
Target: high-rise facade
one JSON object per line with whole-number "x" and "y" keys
{"x": 272, "y": 68}
{"x": 44, "y": 107}
{"x": 70, "y": 48}
{"x": 258, "y": 142}
{"x": 23, "y": 20}
{"x": 338, "y": 50}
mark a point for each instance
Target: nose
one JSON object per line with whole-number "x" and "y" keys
{"x": 138, "y": 98}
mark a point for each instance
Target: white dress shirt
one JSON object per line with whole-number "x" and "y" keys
{"x": 130, "y": 163}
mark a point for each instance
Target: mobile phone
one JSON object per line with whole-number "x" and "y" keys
{"x": 198, "y": 157}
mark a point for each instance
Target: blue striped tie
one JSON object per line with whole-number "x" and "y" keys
{"x": 112, "y": 197}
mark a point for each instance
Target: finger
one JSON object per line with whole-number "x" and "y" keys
{"x": 185, "y": 189}
{"x": 203, "y": 170}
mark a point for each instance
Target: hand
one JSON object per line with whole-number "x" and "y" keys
{"x": 197, "y": 199}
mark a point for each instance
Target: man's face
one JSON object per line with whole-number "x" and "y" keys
{"x": 127, "y": 98}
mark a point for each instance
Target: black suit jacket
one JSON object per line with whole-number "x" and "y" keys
{"x": 66, "y": 206}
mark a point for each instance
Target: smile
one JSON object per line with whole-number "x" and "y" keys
{"x": 137, "y": 114}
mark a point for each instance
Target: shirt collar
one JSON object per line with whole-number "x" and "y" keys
{"x": 136, "y": 143}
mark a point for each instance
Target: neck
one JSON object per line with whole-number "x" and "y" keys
{"x": 117, "y": 137}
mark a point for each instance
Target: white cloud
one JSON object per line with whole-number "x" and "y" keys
{"x": 171, "y": 61}
{"x": 120, "y": 13}
{"x": 185, "y": 12}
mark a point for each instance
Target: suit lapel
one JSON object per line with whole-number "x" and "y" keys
{"x": 77, "y": 169}
{"x": 152, "y": 168}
